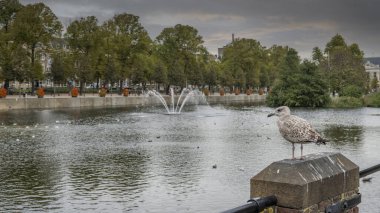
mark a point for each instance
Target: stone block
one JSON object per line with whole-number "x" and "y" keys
{"x": 301, "y": 184}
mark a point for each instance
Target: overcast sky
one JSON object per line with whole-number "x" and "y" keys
{"x": 301, "y": 24}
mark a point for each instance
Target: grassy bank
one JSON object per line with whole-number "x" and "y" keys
{"x": 346, "y": 102}
{"x": 370, "y": 100}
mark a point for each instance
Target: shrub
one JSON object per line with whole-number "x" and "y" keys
{"x": 249, "y": 91}
{"x": 237, "y": 91}
{"x": 74, "y": 92}
{"x": 3, "y": 92}
{"x": 352, "y": 91}
{"x": 40, "y": 92}
{"x": 221, "y": 91}
{"x": 372, "y": 100}
{"x": 103, "y": 92}
{"x": 261, "y": 91}
{"x": 346, "y": 102}
{"x": 125, "y": 92}
{"x": 206, "y": 92}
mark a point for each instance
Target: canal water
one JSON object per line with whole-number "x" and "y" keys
{"x": 142, "y": 160}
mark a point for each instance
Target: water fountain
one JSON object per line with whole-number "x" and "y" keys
{"x": 174, "y": 109}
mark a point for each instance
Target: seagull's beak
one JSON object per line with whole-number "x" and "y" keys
{"x": 271, "y": 114}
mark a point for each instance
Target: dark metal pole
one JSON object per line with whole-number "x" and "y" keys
{"x": 369, "y": 170}
{"x": 255, "y": 205}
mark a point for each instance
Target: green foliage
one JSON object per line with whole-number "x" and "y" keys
{"x": 343, "y": 65}
{"x": 126, "y": 44}
{"x": 7, "y": 13}
{"x": 181, "y": 49}
{"x": 57, "y": 71}
{"x": 317, "y": 55}
{"x": 212, "y": 71}
{"x": 37, "y": 71}
{"x": 243, "y": 58}
{"x": 36, "y": 24}
{"x": 346, "y": 102}
{"x": 372, "y": 100}
{"x": 34, "y": 27}
{"x": 160, "y": 72}
{"x": 374, "y": 83}
{"x": 84, "y": 39}
{"x": 352, "y": 91}
{"x": 299, "y": 85}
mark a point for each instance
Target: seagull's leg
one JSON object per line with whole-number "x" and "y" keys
{"x": 293, "y": 151}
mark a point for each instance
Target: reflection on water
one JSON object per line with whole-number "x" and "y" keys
{"x": 340, "y": 135}
{"x": 140, "y": 160}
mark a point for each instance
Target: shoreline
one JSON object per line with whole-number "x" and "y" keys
{"x": 94, "y": 101}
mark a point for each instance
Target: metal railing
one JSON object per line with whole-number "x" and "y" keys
{"x": 255, "y": 205}
{"x": 369, "y": 170}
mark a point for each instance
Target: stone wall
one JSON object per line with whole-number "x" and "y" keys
{"x": 115, "y": 101}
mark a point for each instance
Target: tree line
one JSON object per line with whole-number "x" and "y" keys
{"x": 120, "y": 48}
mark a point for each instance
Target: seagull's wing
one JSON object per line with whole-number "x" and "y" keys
{"x": 298, "y": 130}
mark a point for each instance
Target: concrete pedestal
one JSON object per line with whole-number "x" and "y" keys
{"x": 308, "y": 185}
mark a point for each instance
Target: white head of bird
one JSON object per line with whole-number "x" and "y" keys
{"x": 280, "y": 111}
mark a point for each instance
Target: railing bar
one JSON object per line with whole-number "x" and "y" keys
{"x": 369, "y": 170}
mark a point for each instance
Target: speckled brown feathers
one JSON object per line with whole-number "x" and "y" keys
{"x": 295, "y": 129}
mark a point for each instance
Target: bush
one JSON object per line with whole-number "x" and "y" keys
{"x": 206, "y": 92}
{"x": 302, "y": 87}
{"x": 261, "y": 91}
{"x": 40, "y": 92}
{"x": 372, "y": 100}
{"x": 102, "y": 92}
{"x": 221, "y": 92}
{"x": 249, "y": 91}
{"x": 352, "y": 91}
{"x": 237, "y": 91}
{"x": 74, "y": 92}
{"x": 346, "y": 102}
{"x": 125, "y": 92}
{"x": 3, "y": 92}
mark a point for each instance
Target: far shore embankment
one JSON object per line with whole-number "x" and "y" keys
{"x": 94, "y": 101}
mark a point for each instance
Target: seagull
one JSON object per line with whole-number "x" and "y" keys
{"x": 295, "y": 129}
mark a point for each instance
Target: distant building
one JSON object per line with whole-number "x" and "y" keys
{"x": 221, "y": 50}
{"x": 220, "y": 53}
{"x": 373, "y": 70}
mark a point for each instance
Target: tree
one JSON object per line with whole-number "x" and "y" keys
{"x": 245, "y": 58}
{"x": 14, "y": 65}
{"x": 9, "y": 8}
{"x": 374, "y": 83}
{"x": 125, "y": 38}
{"x": 181, "y": 49}
{"x": 57, "y": 72}
{"x": 35, "y": 26}
{"x": 142, "y": 70}
{"x": 84, "y": 39}
{"x": 10, "y": 52}
{"x": 317, "y": 55}
{"x": 343, "y": 66}
{"x": 160, "y": 71}
{"x": 275, "y": 57}
{"x": 299, "y": 85}
{"x": 211, "y": 74}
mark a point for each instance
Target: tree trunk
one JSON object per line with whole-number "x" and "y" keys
{"x": 32, "y": 60}
{"x": 121, "y": 84}
{"x": 81, "y": 87}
